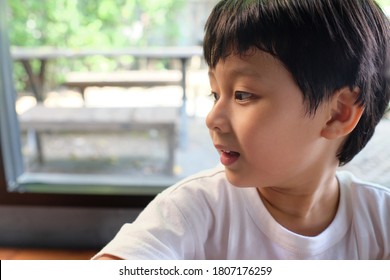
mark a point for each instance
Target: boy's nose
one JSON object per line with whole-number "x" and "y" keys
{"x": 217, "y": 119}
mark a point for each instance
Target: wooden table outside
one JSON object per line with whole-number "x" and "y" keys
{"x": 43, "y": 55}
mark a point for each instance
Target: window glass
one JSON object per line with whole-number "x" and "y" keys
{"x": 110, "y": 93}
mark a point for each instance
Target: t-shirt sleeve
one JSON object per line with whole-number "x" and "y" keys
{"x": 161, "y": 231}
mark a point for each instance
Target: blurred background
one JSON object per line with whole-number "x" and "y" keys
{"x": 63, "y": 49}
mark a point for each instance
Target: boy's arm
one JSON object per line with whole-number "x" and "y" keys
{"x": 159, "y": 232}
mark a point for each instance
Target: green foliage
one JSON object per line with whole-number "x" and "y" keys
{"x": 86, "y": 23}
{"x": 78, "y": 24}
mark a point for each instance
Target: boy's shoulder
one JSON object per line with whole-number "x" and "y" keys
{"x": 363, "y": 197}
{"x": 359, "y": 186}
{"x": 367, "y": 206}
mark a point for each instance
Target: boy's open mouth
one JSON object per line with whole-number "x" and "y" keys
{"x": 229, "y": 157}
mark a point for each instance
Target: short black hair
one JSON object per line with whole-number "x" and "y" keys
{"x": 325, "y": 44}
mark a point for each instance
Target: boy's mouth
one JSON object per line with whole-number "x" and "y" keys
{"x": 229, "y": 157}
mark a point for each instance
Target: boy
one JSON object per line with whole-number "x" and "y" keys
{"x": 299, "y": 86}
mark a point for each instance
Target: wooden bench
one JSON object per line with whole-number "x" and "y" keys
{"x": 41, "y": 119}
{"x": 135, "y": 78}
{"x": 82, "y": 80}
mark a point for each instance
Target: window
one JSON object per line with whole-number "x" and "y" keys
{"x": 92, "y": 129}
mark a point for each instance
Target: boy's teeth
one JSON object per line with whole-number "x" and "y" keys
{"x": 230, "y": 152}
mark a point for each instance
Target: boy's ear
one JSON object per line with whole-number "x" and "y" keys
{"x": 344, "y": 113}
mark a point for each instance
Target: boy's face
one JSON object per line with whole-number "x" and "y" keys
{"x": 259, "y": 124}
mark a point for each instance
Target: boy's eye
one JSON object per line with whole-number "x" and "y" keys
{"x": 242, "y": 96}
{"x": 215, "y": 96}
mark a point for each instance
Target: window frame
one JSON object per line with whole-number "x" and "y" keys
{"x": 16, "y": 197}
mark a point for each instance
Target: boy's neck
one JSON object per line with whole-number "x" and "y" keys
{"x": 307, "y": 210}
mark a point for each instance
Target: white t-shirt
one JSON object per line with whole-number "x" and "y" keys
{"x": 205, "y": 217}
